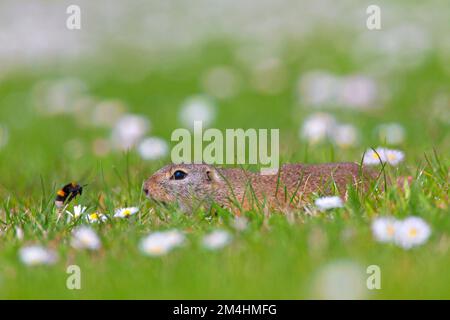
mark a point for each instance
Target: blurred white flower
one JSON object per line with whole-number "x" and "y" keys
{"x": 221, "y": 82}
{"x": 125, "y": 212}
{"x": 240, "y": 223}
{"x": 153, "y": 148}
{"x": 384, "y": 229}
{"x": 412, "y": 231}
{"x": 96, "y": 217}
{"x": 216, "y": 239}
{"x": 269, "y": 76}
{"x": 391, "y": 133}
{"x": 175, "y": 237}
{"x": 85, "y": 238}
{"x": 326, "y": 203}
{"x": 394, "y": 157}
{"x": 197, "y": 108}
{"x": 108, "y": 112}
{"x": 19, "y": 233}
{"x": 324, "y": 89}
{"x": 4, "y": 136}
{"x": 340, "y": 280}
{"x": 358, "y": 91}
{"x": 319, "y": 88}
{"x": 160, "y": 243}
{"x": 77, "y": 212}
{"x": 317, "y": 127}
{"x": 59, "y": 96}
{"x": 321, "y": 126}
{"x": 128, "y": 130}
{"x": 345, "y": 135}
{"x": 37, "y": 255}
{"x": 375, "y": 157}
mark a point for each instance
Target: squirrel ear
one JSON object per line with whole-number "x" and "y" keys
{"x": 213, "y": 175}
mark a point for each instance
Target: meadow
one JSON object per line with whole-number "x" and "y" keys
{"x": 59, "y": 123}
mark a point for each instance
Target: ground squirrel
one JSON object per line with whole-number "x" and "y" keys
{"x": 191, "y": 185}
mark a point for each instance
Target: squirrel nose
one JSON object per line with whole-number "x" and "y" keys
{"x": 145, "y": 190}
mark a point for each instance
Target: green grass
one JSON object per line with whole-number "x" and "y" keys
{"x": 278, "y": 256}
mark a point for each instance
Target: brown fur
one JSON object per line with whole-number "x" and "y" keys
{"x": 238, "y": 189}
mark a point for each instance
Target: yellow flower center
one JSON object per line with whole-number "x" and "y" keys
{"x": 93, "y": 216}
{"x": 391, "y": 156}
{"x": 127, "y": 212}
{"x": 413, "y": 232}
{"x": 156, "y": 249}
{"x": 390, "y": 230}
{"x": 375, "y": 156}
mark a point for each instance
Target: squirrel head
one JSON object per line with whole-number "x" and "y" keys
{"x": 183, "y": 183}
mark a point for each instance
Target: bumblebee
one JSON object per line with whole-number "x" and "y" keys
{"x": 68, "y": 193}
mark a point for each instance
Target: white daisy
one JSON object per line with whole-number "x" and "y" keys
{"x": 240, "y": 223}
{"x": 19, "y": 233}
{"x": 326, "y": 203}
{"x": 319, "y": 88}
{"x": 317, "y": 127}
{"x": 374, "y": 157}
{"x": 153, "y": 148}
{"x": 160, "y": 243}
{"x": 37, "y": 255}
{"x": 85, "y": 238}
{"x": 345, "y": 135}
{"x": 394, "y": 157}
{"x": 77, "y": 212}
{"x": 175, "y": 237}
{"x": 412, "y": 231}
{"x": 125, "y": 212}
{"x": 128, "y": 130}
{"x": 216, "y": 239}
{"x": 96, "y": 217}
{"x": 384, "y": 229}
{"x": 358, "y": 91}
{"x": 197, "y": 108}
{"x": 341, "y": 280}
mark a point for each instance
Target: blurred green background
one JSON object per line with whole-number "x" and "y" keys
{"x": 309, "y": 68}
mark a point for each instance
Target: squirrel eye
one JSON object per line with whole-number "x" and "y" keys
{"x": 179, "y": 175}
